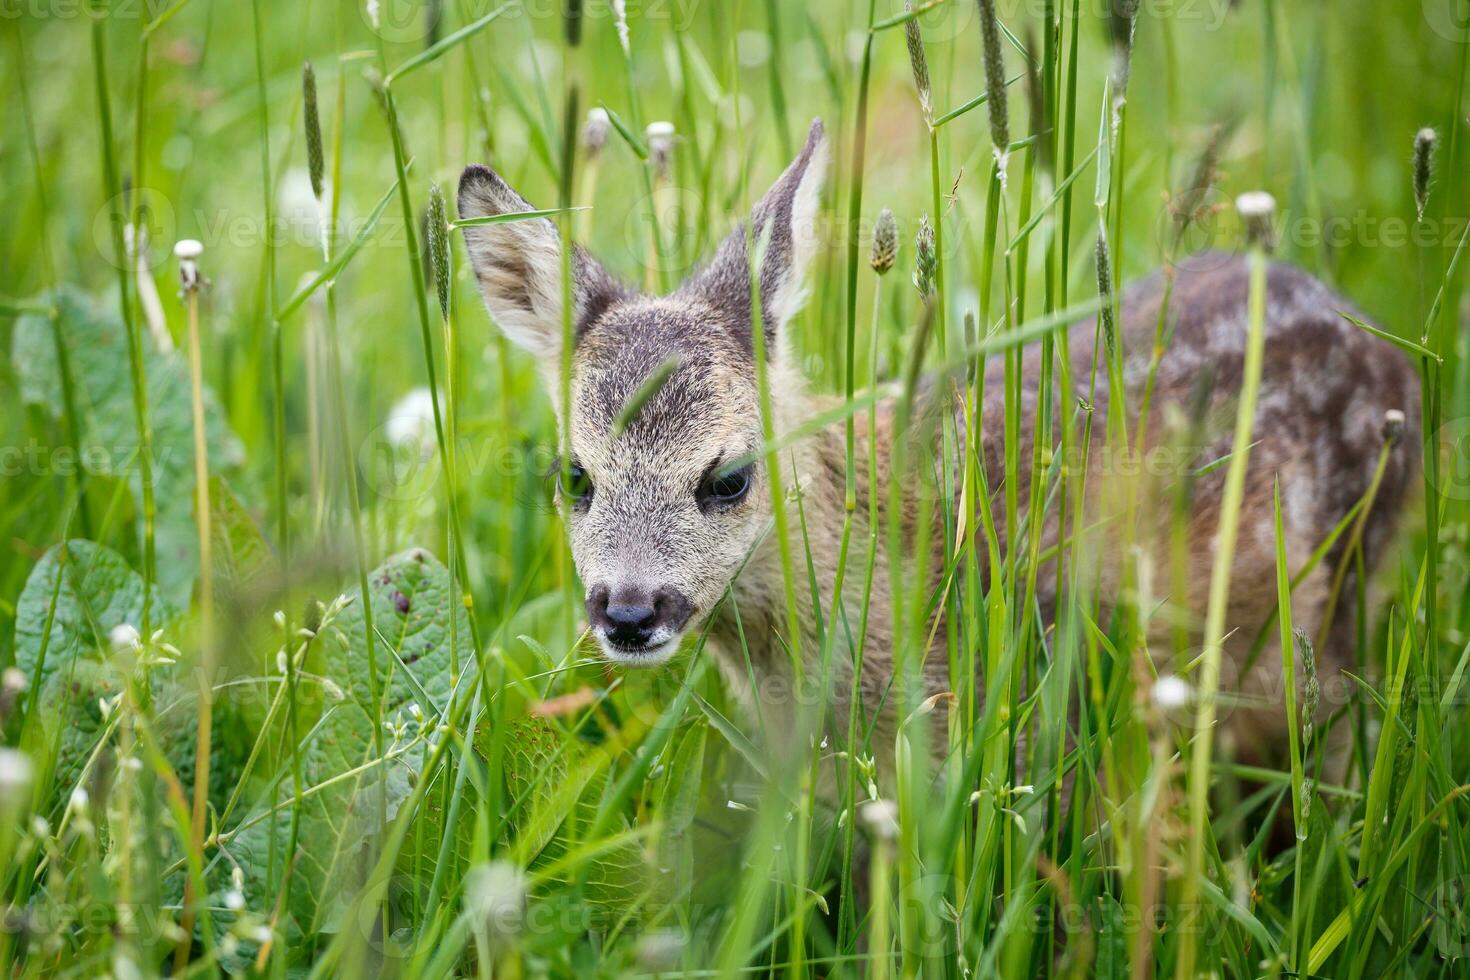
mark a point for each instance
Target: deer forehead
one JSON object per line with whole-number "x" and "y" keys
{"x": 705, "y": 411}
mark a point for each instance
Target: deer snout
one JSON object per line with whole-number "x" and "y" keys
{"x": 633, "y": 619}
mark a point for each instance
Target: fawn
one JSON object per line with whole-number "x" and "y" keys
{"x": 663, "y": 528}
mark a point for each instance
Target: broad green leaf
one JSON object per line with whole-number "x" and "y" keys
{"x": 72, "y": 716}
{"x": 109, "y": 443}
{"x": 240, "y": 549}
{"x": 98, "y": 592}
{"x": 410, "y": 601}
{"x": 677, "y": 805}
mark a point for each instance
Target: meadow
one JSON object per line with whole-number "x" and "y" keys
{"x": 297, "y": 679}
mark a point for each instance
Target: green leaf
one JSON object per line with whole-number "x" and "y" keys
{"x": 677, "y": 805}
{"x": 97, "y": 592}
{"x": 72, "y": 718}
{"x": 241, "y": 552}
{"x": 340, "y": 260}
{"x": 512, "y": 216}
{"x": 437, "y": 51}
{"x": 109, "y": 443}
{"x": 414, "y": 645}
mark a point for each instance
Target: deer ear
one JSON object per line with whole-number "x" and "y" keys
{"x": 782, "y": 229}
{"x": 518, "y": 267}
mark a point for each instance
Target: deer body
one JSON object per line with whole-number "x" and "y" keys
{"x": 664, "y": 529}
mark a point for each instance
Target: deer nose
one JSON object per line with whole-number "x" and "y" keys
{"x": 629, "y": 617}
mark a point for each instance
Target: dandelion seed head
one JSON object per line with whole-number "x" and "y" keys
{"x": 596, "y": 129}
{"x": 660, "y": 136}
{"x": 1171, "y": 692}
{"x": 1393, "y": 426}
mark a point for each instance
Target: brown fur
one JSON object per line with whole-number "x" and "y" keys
{"x": 1325, "y": 389}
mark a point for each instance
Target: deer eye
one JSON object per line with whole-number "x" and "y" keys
{"x": 720, "y": 488}
{"x": 575, "y": 484}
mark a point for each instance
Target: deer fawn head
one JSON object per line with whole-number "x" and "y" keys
{"x": 662, "y": 511}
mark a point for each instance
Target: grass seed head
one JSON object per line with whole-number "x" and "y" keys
{"x": 574, "y": 23}
{"x": 995, "y": 82}
{"x": 926, "y": 263}
{"x": 438, "y": 236}
{"x": 1189, "y": 205}
{"x": 1123, "y": 21}
{"x": 620, "y": 20}
{"x": 1424, "y": 143}
{"x": 315, "y": 160}
{"x": 885, "y": 242}
{"x": 1105, "y": 289}
{"x": 919, "y": 64}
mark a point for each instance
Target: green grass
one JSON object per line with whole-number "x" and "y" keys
{"x": 414, "y": 763}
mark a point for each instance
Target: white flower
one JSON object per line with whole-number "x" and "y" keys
{"x": 15, "y": 774}
{"x": 79, "y": 799}
{"x": 1171, "y": 691}
{"x": 659, "y": 951}
{"x": 410, "y": 424}
{"x": 298, "y": 209}
{"x": 14, "y": 680}
{"x": 495, "y": 894}
{"x": 881, "y": 818}
{"x": 234, "y": 901}
{"x": 124, "y": 637}
{"x": 105, "y": 706}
